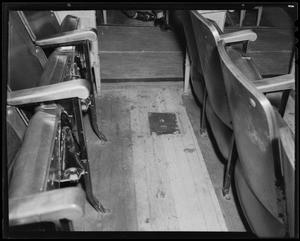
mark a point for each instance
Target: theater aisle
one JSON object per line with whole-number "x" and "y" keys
{"x": 150, "y": 182}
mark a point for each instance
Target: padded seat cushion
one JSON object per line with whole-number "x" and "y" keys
{"x": 32, "y": 162}
{"x": 69, "y": 23}
{"x": 57, "y": 67}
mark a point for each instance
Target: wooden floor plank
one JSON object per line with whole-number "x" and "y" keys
{"x": 157, "y": 192}
{"x": 139, "y": 53}
{"x": 195, "y": 164}
{"x": 205, "y": 190}
{"x": 165, "y": 195}
{"x": 124, "y": 66}
{"x": 150, "y": 182}
{"x": 176, "y": 188}
{"x": 133, "y": 38}
{"x": 139, "y": 169}
{"x": 180, "y": 167}
{"x": 111, "y": 168}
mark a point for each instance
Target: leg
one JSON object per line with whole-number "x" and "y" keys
{"x": 242, "y": 16}
{"x": 130, "y": 13}
{"x": 104, "y": 16}
{"x": 203, "y": 121}
{"x": 93, "y": 116}
{"x": 139, "y": 15}
{"x": 229, "y": 169}
{"x": 161, "y": 20}
{"x": 167, "y": 16}
{"x": 92, "y": 110}
{"x": 84, "y": 158}
{"x": 260, "y": 9}
{"x": 187, "y": 73}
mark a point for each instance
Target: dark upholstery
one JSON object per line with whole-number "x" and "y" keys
{"x": 30, "y": 171}
{"x": 69, "y": 23}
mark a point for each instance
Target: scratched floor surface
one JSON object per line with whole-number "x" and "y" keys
{"x": 149, "y": 182}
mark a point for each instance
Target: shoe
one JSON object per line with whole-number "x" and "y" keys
{"x": 162, "y": 23}
{"x": 145, "y": 16}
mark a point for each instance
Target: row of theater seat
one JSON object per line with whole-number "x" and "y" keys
{"x": 244, "y": 112}
{"x": 50, "y": 86}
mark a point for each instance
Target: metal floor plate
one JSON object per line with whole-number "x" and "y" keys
{"x": 163, "y": 123}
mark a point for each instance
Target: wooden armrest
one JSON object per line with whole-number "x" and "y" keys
{"x": 64, "y": 90}
{"x": 278, "y": 83}
{"x": 64, "y": 203}
{"x": 238, "y": 36}
{"x": 68, "y": 37}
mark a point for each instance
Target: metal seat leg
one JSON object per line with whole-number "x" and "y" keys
{"x": 203, "y": 120}
{"x": 84, "y": 159}
{"x": 93, "y": 116}
{"x": 229, "y": 169}
{"x": 92, "y": 110}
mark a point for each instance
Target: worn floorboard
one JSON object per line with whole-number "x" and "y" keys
{"x": 139, "y": 53}
{"x": 150, "y": 182}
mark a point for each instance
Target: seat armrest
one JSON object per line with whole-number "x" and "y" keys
{"x": 79, "y": 88}
{"x": 64, "y": 203}
{"x": 278, "y": 83}
{"x": 69, "y": 37}
{"x": 239, "y": 36}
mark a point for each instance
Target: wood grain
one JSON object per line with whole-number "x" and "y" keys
{"x": 150, "y": 182}
{"x": 139, "y": 52}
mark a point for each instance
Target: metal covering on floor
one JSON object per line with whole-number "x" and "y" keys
{"x": 163, "y": 123}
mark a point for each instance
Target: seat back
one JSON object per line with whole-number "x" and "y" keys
{"x": 25, "y": 60}
{"x": 256, "y": 134}
{"x": 197, "y": 78}
{"x": 207, "y": 36}
{"x": 31, "y": 170}
{"x": 41, "y": 23}
{"x": 15, "y": 130}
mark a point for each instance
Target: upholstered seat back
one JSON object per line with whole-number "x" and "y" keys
{"x": 25, "y": 60}
{"x": 42, "y": 23}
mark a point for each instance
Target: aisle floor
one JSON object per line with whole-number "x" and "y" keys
{"x": 150, "y": 182}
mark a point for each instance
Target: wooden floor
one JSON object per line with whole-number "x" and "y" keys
{"x": 132, "y": 50}
{"x": 139, "y": 53}
{"x": 150, "y": 182}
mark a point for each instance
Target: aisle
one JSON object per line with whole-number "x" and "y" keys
{"x": 150, "y": 182}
